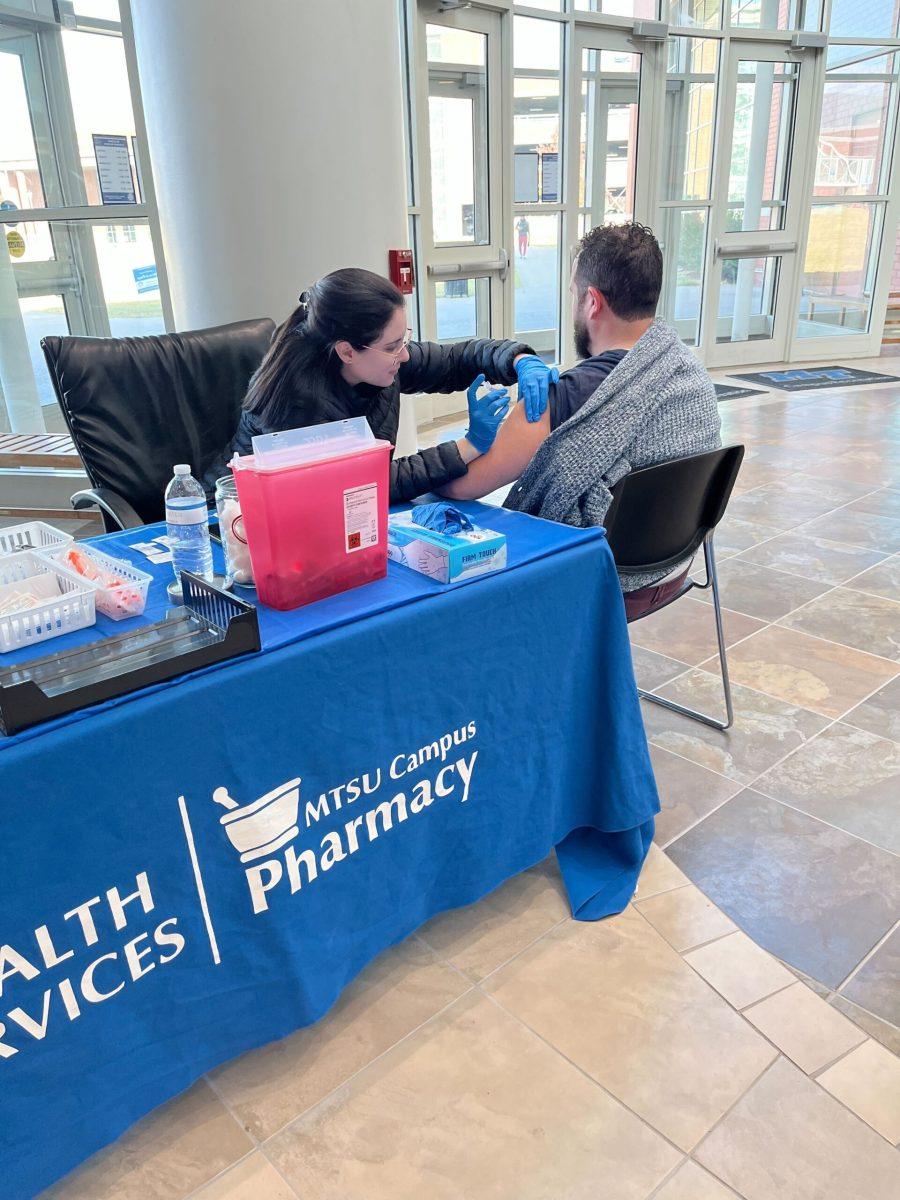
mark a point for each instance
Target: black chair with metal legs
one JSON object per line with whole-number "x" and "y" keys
{"x": 658, "y": 518}
{"x": 135, "y": 406}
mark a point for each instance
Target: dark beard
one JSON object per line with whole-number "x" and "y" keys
{"x": 582, "y": 341}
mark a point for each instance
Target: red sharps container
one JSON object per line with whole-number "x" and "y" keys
{"x": 314, "y": 503}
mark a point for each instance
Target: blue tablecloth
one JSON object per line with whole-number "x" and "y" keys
{"x": 393, "y": 752}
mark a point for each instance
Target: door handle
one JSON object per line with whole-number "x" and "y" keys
{"x": 764, "y": 250}
{"x": 470, "y": 269}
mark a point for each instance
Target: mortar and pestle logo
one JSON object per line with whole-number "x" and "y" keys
{"x": 265, "y": 825}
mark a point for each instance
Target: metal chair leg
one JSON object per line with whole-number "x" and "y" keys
{"x": 712, "y": 578}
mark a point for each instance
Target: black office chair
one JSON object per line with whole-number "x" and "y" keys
{"x": 135, "y": 406}
{"x": 659, "y": 516}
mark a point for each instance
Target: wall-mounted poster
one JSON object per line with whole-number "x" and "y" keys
{"x": 114, "y": 169}
{"x": 550, "y": 177}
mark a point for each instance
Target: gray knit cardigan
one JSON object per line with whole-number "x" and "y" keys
{"x": 657, "y": 403}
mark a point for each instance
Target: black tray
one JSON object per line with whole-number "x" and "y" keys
{"x": 209, "y": 627}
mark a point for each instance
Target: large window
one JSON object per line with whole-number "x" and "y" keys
{"x": 618, "y": 8}
{"x": 537, "y": 181}
{"x": 763, "y": 161}
{"x": 850, "y": 189}
{"x": 457, "y": 102}
{"x": 686, "y": 177}
{"x": 870, "y": 19}
{"x": 79, "y": 254}
{"x": 761, "y": 145}
{"x": 607, "y": 151}
{"x": 706, "y": 14}
{"x": 776, "y": 14}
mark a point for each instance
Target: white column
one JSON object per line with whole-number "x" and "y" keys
{"x": 275, "y": 133}
{"x": 20, "y": 392}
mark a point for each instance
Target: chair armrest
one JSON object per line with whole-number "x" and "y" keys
{"x": 119, "y": 511}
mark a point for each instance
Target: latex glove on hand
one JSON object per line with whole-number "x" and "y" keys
{"x": 486, "y": 414}
{"x": 535, "y": 378}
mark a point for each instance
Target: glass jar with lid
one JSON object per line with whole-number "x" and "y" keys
{"x": 231, "y": 529}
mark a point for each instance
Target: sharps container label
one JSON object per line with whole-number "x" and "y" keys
{"x": 361, "y": 517}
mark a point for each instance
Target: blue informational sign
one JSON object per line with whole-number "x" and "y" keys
{"x": 550, "y": 177}
{"x": 8, "y": 206}
{"x": 146, "y": 279}
{"x": 114, "y": 169}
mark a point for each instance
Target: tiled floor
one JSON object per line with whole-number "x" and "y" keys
{"x": 507, "y": 1051}
{"x": 723, "y": 1037}
{"x": 803, "y": 859}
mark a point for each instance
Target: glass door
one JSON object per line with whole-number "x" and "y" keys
{"x": 758, "y": 201}
{"x": 51, "y": 280}
{"x": 31, "y": 302}
{"x": 54, "y": 265}
{"x": 463, "y": 258}
{"x": 538, "y": 45}
{"x": 686, "y": 179}
{"x": 840, "y": 290}
{"x": 610, "y": 109}
{"x": 69, "y": 261}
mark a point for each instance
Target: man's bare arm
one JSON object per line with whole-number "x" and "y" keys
{"x": 513, "y": 449}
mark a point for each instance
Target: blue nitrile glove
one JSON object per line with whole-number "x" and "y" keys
{"x": 441, "y": 517}
{"x": 535, "y": 378}
{"x": 485, "y": 415}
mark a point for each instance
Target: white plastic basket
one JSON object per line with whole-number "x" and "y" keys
{"x": 73, "y": 609}
{"x": 127, "y": 599}
{"x": 32, "y": 535}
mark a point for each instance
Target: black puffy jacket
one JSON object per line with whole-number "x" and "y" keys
{"x": 431, "y": 368}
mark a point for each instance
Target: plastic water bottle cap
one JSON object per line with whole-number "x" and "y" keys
{"x": 182, "y": 469}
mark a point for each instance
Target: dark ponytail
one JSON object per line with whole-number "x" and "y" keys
{"x": 350, "y": 305}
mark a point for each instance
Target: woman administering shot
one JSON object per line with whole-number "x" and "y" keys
{"x": 346, "y": 351}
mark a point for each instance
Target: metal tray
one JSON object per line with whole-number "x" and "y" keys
{"x": 209, "y": 627}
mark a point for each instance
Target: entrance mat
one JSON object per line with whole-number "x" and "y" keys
{"x": 727, "y": 391}
{"x": 802, "y": 379}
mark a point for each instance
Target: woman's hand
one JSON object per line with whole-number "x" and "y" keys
{"x": 486, "y": 415}
{"x": 535, "y": 378}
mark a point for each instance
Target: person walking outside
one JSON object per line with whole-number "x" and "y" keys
{"x": 523, "y": 229}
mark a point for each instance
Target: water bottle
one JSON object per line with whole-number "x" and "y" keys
{"x": 187, "y": 525}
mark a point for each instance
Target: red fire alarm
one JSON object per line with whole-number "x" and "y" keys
{"x": 400, "y": 270}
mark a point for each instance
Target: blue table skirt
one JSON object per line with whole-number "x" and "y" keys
{"x": 443, "y": 740}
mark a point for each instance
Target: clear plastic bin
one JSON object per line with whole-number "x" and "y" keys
{"x": 128, "y": 598}
{"x": 72, "y": 609}
{"x": 32, "y": 535}
{"x": 314, "y": 503}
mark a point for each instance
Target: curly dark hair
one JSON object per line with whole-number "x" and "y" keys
{"x": 624, "y": 263}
